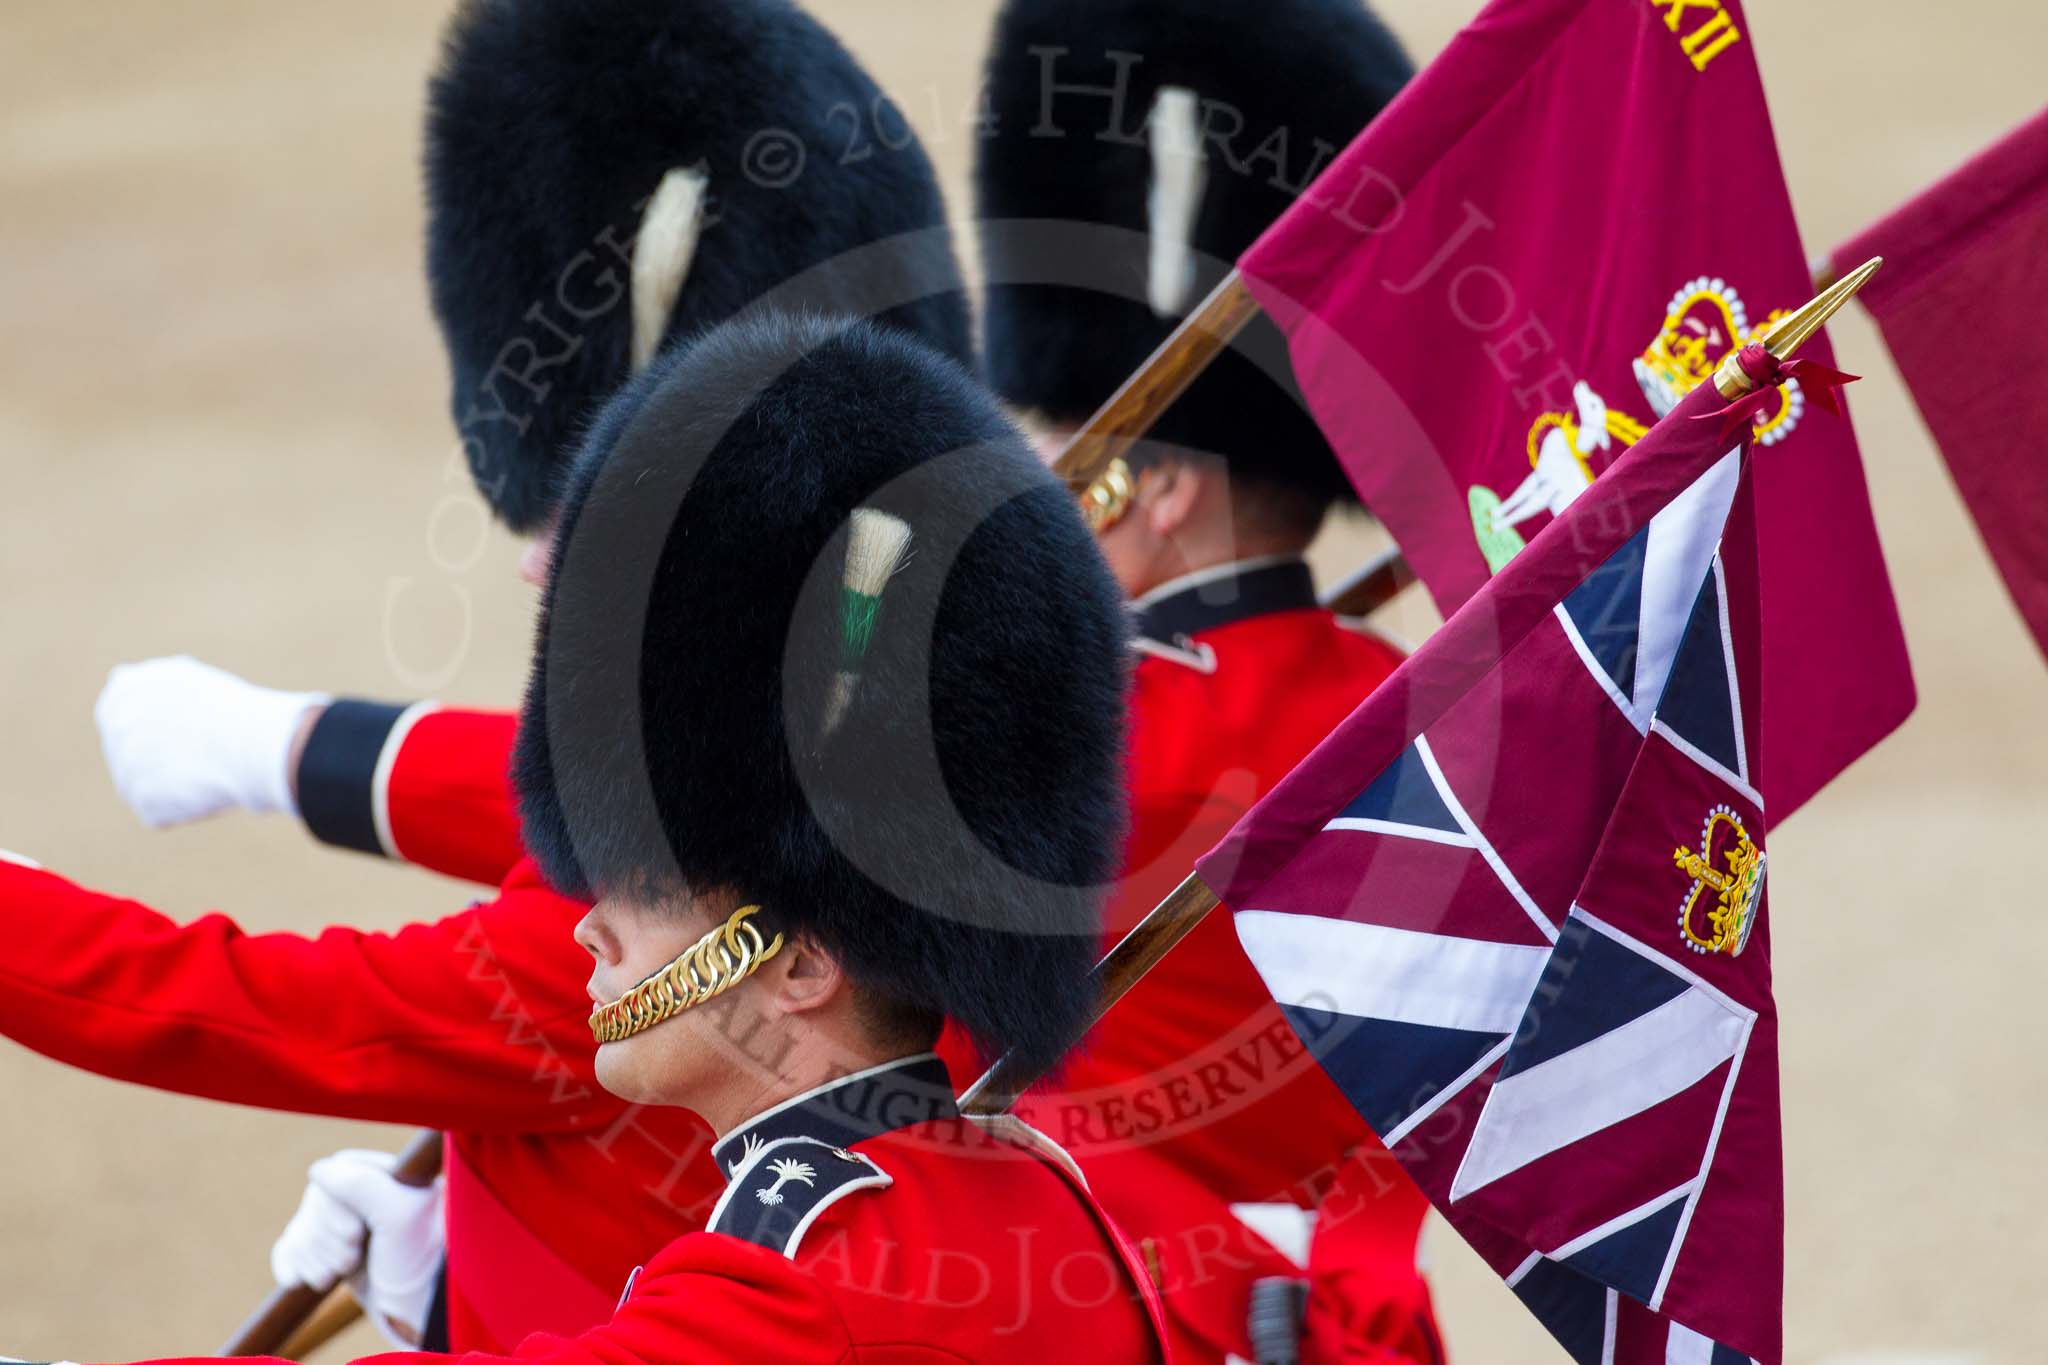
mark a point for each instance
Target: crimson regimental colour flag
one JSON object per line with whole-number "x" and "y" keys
{"x": 1514, "y": 906}
{"x": 1552, "y": 236}
{"x": 1960, "y": 300}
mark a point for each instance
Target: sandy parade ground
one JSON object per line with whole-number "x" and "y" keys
{"x": 223, "y": 432}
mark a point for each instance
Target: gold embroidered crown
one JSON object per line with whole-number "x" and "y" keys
{"x": 1705, "y": 321}
{"x": 1724, "y": 925}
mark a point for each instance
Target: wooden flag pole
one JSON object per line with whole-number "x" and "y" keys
{"x": 1136, "y": 954}
{"x": 286, "y": 1318}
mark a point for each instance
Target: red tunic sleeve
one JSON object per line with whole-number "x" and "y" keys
{"x": 1368, "y": 1302}
{"x": 476, "y": 1022}
{"x": 422, "y": 783}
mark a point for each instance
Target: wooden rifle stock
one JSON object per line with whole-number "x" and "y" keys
{"x": 296, "y": 1319}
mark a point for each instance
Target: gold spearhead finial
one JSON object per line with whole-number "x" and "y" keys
{"x": 1795, "y": 329}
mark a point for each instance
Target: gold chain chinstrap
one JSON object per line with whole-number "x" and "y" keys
{"x": 713, "y": 964}
{"x": 1109, "y": 496}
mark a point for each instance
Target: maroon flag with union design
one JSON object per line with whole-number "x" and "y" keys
{"x": 1514, "y": 907}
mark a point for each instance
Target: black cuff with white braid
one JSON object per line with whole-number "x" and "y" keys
{"x": 344, "y": 772}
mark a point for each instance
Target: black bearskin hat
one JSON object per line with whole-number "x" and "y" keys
{"x": 605, "y": 174}
{"x": 1080, "y": 94}
{"x": 822, "y": 631}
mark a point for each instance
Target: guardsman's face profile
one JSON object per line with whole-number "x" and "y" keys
{"x": 630, "y": 940}
{"x": 722, "y": 1055}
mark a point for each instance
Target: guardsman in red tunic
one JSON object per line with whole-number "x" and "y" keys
{"x": 591, "y": 194}
{"x": 1135, "y": 150}
{"x": 884, "y": 796}
{"x": 1170, "y": 137}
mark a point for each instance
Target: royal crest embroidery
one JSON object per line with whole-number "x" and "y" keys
{"x": 785, "y": 1171}
{"x": 1705, "y": 322}
{"x": 1731, "y": 866}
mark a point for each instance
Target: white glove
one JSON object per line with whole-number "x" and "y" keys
{"x": 351, "y": 1200}
{"x": 184, "y": 740}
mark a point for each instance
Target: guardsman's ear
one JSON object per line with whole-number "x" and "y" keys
{"x": 803, "y": 977}
{"x": 1169, "y": 492}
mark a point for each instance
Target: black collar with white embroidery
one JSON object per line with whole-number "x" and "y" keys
{"x": 852, "y": 1109}
{"x": 1235, "y": 592}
